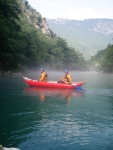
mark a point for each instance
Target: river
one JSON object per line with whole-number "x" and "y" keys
{"x": 52, "y": 119}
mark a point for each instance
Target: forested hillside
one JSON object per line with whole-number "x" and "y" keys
{"x": 88, "y": 36}
{"x": 26, "y": 41}
{"x": 103, "y": 60}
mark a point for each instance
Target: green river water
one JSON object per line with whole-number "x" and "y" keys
{"x": 52, "y": 119}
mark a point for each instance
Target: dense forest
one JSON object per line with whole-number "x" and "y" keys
{"x": 103, "y": 60}
{"x": 24, "y": 45}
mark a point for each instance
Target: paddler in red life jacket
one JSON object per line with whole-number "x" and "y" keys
{"x": 67, "y": 79}
{"x": 43, "y": 77}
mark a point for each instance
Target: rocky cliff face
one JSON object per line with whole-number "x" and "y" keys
{"x": 104, "y": 26}
{"x": 35, "y": 18}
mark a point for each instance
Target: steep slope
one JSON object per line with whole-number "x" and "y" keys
{"x": 27, "y": 42}
{"x": 35, "y": 18}
{"x": 87, "y": 36}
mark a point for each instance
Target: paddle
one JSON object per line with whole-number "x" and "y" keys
{"x": 78, "y": 88}
{"x": 75, "y": 87}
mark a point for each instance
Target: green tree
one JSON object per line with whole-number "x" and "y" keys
{"x": 9, "y": 28}
{"x": 103, "y": 60}
{"x": 107, "y": 62}
{"x": 24, "y": 45}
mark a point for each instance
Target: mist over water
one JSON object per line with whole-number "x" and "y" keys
{"x": 44, "y": 118}
{"x": 92, "y": 79}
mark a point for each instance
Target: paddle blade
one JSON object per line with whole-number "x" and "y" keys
{"x": 78, "y": 88}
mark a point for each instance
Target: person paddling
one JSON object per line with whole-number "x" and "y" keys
{"x": 67, "y": 79}
{"x": 43, "y": 77}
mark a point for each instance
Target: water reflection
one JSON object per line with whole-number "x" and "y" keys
{"x": 42, "y": 93}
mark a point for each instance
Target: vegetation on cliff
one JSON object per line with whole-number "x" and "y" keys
{"x": 26, "y": 40}
{"x": 103, "y": 60}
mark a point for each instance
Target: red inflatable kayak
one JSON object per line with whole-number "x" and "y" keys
{"x": 52, "y": 84}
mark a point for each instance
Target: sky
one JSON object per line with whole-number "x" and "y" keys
{"x": 73, "y": 9}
